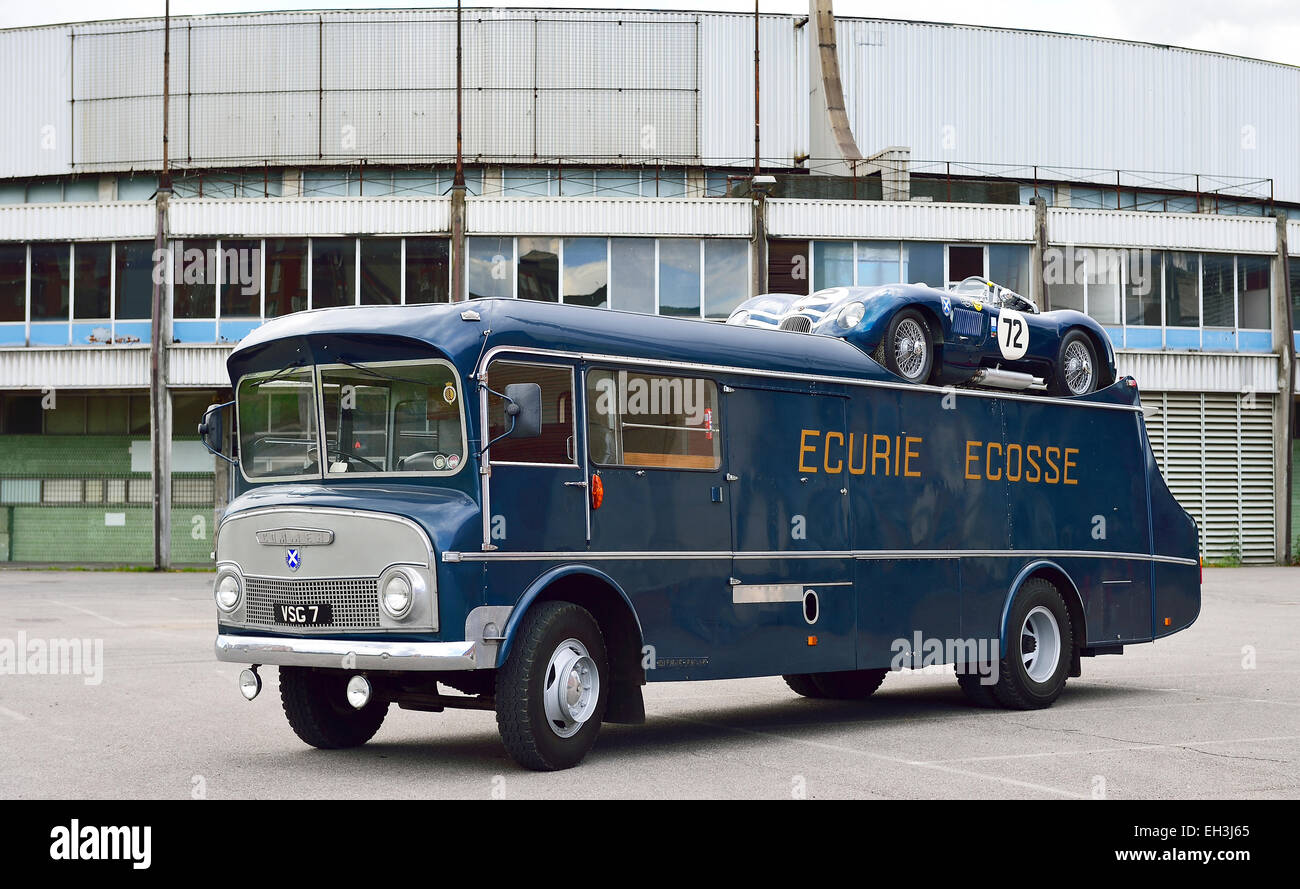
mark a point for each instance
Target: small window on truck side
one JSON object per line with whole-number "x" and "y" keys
{"x": 652, "y": 420}
{"x": 556, "y": 444}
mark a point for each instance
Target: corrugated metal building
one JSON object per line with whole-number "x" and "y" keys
{"x": 608, "y": 156}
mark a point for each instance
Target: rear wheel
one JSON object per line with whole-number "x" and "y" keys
{"x": 1039, "y": 647}
{"x": 315, "y": 703}
{"x": 1077, "y": 371}
{"x": 908, "y": 348}
{"x": 551, "y": 692}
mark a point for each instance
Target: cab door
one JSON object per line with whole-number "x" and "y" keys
{"x": 537, "y": 499}
{"x": 662, "y": 529}
{"x": 793, "y": 608}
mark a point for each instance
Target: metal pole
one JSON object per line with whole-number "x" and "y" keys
{"x": 757, "y": 162}
{"x": 159, "y": 412}
{"x": 458, "y": 182}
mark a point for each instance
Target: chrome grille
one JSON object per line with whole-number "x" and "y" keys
{"x": 353, "y": 600}
{"x": 797, "y": 323}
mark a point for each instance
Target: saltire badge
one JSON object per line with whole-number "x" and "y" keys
{"x": 292, "y": 559}
{"x": 947, "y": 305}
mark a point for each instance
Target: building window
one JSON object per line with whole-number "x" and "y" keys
{"x": 787, "y": 266}
{"x": 526, "y": 182}
{"x": 1254, "y": 300}
{"x": 832, "y": 264}
{"x": 1009, "y": 266}
{"x": 1218, "y": 297}
{"x": 13, "y": 282}
{"x": 381, "y": 271}
{"x": 726, "y": 276}
{"x": 964, "y": 262}
{"x": 878, "y": 263}
{"x": 1142, "y": 287}
{"x": 586, "y": 272}
{"x": 428, "y": 270}
{"x": 679, "y": 277}
{"x": 923, "y": 263}
{"x": 1293, "y": 266}
{"x": 51, "y": 267}
{"x": 286, "y": 276}
{"x": 333, "y": 272}
{"x": 491, "y": 267}
{"x": 241, "y": 279}
{"x": 91, "y": 283}
{"x": 1182, "y": 278}
{"x": 539, "y": 269}
{"x": 632, "y": 275}
{"x": 134, "y": 279}
{"x": 194, "y": 289}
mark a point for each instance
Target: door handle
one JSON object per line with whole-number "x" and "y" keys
{"x": 575, "y": 484}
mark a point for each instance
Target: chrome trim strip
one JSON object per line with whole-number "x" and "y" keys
{"x": 332, "y": 653}
{"x": 697, "y": 367}
{"x": 334, "y": 510}
{"x": 766, "y": 593}
{"x": 866, "y": 555}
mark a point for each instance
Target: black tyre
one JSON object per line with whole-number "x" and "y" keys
{"x": 844, "y": 686}
{"x": 1040, "y": 644}
{"x": 551, "y": 692}
{"x": 802, "y": 684}
{"x": 977, "y": 693}
{"x": 908, "y": 348}
{"x": 1077, "y": 369}
{"x": 315, "y": 703}
{"x": 850, "y": 684}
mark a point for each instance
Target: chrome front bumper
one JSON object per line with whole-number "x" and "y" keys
{"x": 350, "y": 655}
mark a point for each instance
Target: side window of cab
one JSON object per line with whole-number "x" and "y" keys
{"x": 556, "y": 444}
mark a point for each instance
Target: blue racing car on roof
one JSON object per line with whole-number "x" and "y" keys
{"x": 977, "y": 333}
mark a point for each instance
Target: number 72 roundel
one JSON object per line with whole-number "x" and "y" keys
{"x": 1013, "y": 335}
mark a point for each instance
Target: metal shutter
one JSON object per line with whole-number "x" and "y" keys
{"x": 1216, "y": 453}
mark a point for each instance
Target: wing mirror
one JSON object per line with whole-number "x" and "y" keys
{"x": 524, "y": 404}
{"x": 211, "y": 430}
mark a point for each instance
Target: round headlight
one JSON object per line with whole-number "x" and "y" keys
{"x": 228, "y": 592}
{"x": 851, "y": 315}
{"x": 740, "y": 318}
{"x": 396, "y": 596}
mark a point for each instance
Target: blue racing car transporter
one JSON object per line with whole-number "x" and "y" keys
{"x": 542, "y": 507}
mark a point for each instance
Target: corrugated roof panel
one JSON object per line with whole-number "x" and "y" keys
{"x": 72, "y": 222}
{"x": 1199, "y": 372}
{"x": 309, "y": 216}
{"x": 718, "y": 217}
{"x": 1178, "y": 231}
{"x": 788, "y": 218}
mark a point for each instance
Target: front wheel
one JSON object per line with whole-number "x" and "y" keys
{"x": 908, "y": 347}
{"x": 551, "y": 692}
{"x": 1077, "y": 371}
{"x": 315, "y": 703}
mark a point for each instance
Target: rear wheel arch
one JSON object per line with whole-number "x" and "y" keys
{"x": 1069, "y": 592}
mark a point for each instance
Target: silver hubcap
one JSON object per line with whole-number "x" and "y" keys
{"x": 572, "y": 688}
{"x": 1078, "y": 368}
{"x": 1040, "y": 644}
{"x": 909, "y": 348}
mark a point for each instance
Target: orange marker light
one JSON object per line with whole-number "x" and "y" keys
{"x": 1168, "y": 622}
{"x": 597, "y": 492}
{"x": 812, "y": 640}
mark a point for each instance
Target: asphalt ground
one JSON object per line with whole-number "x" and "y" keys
{"x": 1213, "y": 712}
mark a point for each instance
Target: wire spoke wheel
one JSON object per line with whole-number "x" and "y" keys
{"x": 909, "y": 348}
{"x": 1079, "y": 370}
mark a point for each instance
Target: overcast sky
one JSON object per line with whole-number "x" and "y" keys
{"x": 1264, "y": 29}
